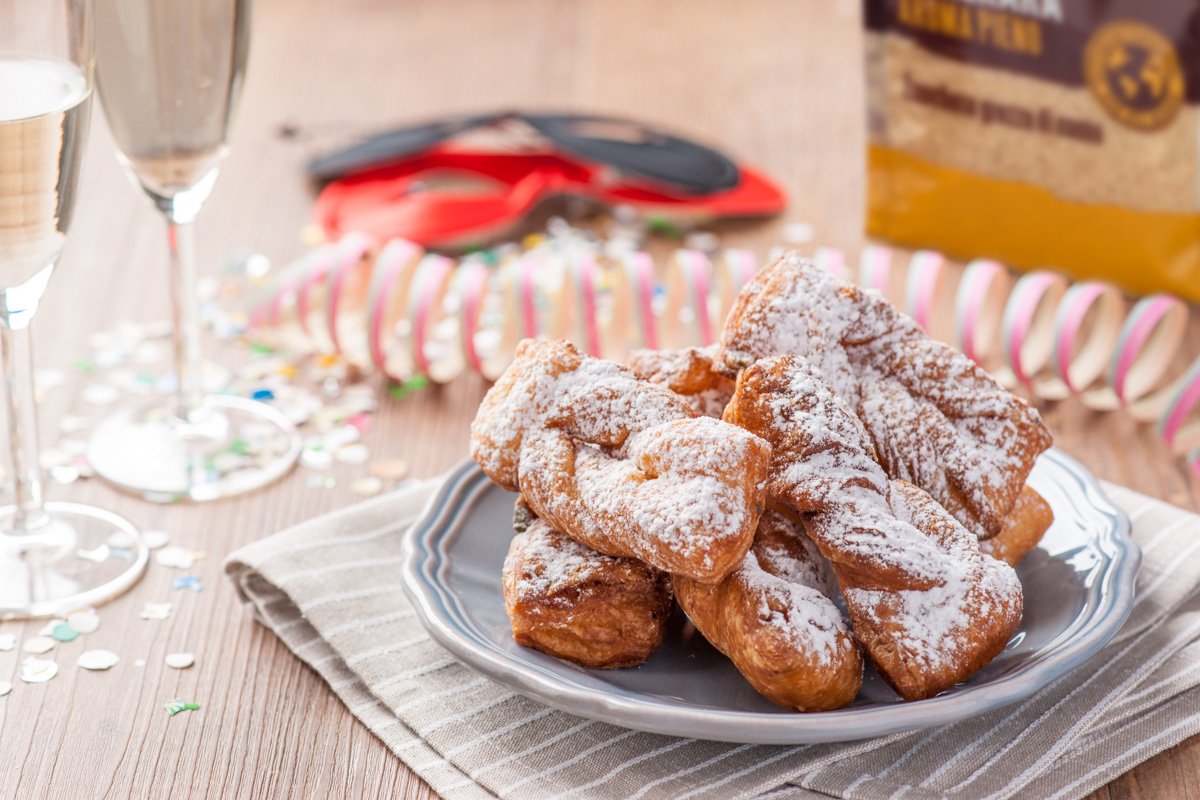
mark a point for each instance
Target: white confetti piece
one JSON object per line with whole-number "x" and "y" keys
{"x": 353, "y": 454}
{"x": 119, "y": 540}
{"x": 53, "y": 457}
{"x": 47, "y": 379}
{"x": 341, "y": 436}
{"x": 156, "y": 611}
{"x": 316, "y": 459}
{"x": 7, "y": 642}
{"x": 366, "y": 487}
{"x": 155, "y": 539}
{"x": 180, "y": 660}
{"x": 141, "y": 662}
{"x": 798, "y": 233}
{"x": 100, "y": 394}
{"x": 37, "y": 670}
{"x": 73, "y": 447}
{"x": 95, "y": 555}
{"x": 72, "y": 423}
{"x": 5, "y": 688}
{"x": 177, "y": 557}
{"x": 228, "y": 462}
{"x": 389, "y": 469}
{"x": 84, "y": 621}
{"x": 98, "y": 659}
{"x": 150, "y": 352}
{"x": 48, "y": 628}
{"x": 38, "y": 645}
{"x": 65, "y": 475}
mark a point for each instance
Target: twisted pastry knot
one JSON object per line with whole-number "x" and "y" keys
{"x": 687, "y": 372}
{"x": 934, "y": 417}
{"x": 775, "y": 620}
{"x": 928, "y": 607}
{"x": 620, "y": 464}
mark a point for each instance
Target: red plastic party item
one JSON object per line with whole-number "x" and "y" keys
{"x": 451, "y": 197}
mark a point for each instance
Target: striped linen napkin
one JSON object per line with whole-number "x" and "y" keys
{"x": 331, "y": 590}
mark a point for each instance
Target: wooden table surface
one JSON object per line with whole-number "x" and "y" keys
{"x": 776, "y": 82}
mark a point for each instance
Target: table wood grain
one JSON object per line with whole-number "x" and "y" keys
{"x": 776, "y": 82}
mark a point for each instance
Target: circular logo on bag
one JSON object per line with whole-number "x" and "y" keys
{"x": 1134, "y": 72}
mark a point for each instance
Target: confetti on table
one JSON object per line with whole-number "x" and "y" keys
{"x": 188, "y": 582}
{"x": 53, "y": 457}
{"x": 389, "y": 469}
{"x": 95, "y": 555}
{"x": 180, "y": 660}
{"x": 353, "y": 454}
{"x": 65, "y": 474}
{"x": 7, "y": 642}
{"x": 156, "y": 611}
{"x": 98, "y": 659}
{"x": 49, "y": 627}
{"x": 5, "y": 688}
{"x": 173, "y": 707}
{"x": 37, "y": 670}
{"x": 798, "y": 233}
{"x": 155, "y": 539}
{"x": 316, "y": 459}
{"x": 119, "y": 540}
{"x": 72, "y": 423}
{"x": 64, "y": 633}
{"x": 87, "y": 621}
{"x": 141, "y": 662}
{"x": 101, "y": 394}
{"x": 38, "y": 645}
{"x": 175, "y": 557}
{"x": 366, "y": 487}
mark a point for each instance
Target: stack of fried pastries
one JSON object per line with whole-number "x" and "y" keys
{"x": 632, "y": 488}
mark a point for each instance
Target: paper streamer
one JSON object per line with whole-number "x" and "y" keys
{"x": 404, "y": 312}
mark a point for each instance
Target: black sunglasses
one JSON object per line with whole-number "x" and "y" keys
{"x": 627, "y": 146}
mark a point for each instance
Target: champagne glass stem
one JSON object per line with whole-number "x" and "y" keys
{"x": 29, "y": 516}
{"x": 185, "y": 316}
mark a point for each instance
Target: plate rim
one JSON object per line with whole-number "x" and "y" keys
{"x": 425, "y": 563}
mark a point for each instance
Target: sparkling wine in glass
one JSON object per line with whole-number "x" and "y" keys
{"x": 54, "y": 557}
{"x": 170, "y": 74}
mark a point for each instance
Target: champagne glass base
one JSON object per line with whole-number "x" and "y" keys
{"x": 69, "y": 564}
{"x": 227, "y": 447}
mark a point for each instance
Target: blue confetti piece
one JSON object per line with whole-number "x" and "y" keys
{"x": 188, "y": 582}
{"x": 263, "y": 394}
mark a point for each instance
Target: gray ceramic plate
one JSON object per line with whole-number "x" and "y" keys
{"x": 1078, "y": 591}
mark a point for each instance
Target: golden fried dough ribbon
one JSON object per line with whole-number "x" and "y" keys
{"x": 935, "y": 418}
{"x": 928, "y": 607}
{"x": 620, "y": 464}
{"x": 774, "y": 619}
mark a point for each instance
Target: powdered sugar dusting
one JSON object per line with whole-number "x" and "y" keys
{"x": 556, "y": 561}
{"x": 552, "y": 385}
{"x": 935, "y": 418}
{"x": 689, "y": 373}
{"x": 685, "y": 498}
{"x": 909, "y": 572}
{"x": 804, "y": 618}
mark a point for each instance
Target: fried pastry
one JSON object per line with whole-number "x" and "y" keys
{"x": 927, "y": 606}
{"x": 687, "y": 372}
{"x": 1024, "y": 527}
{"x": 620, "y": 464}
{"x": 934, "y": 417}
{"x": 774, "y": 619}
{"x": 570, "y": 602}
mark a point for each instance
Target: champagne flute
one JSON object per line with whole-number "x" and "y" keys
{"x": 54, "y": 557}
{"x": 170, "y": 73}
